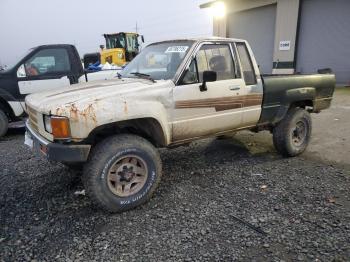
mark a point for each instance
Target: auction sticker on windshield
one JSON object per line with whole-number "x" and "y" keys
{"x": 176, "y": 49}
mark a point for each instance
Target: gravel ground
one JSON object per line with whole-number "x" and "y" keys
{"x": 217, "y": 202}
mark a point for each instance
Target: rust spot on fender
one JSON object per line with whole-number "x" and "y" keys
{"x": 89, "y": 112}
{"x": 78, "y": 115}
{"x": 58, "y": 111}
{"x": 73, "y": 112}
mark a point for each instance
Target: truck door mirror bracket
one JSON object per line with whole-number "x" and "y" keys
{"x": 208, "y": 76}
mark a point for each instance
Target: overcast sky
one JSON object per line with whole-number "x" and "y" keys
{"x": 25, "y": 24}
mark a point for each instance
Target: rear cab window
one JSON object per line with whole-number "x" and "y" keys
{"x": 246, "y": 64}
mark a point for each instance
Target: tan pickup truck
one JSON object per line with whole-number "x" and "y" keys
{"x": 172, "y": 93}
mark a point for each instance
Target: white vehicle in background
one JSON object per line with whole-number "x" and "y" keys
{"x": 44, "y": 68}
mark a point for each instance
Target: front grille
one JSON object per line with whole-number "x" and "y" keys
{"x": 33, "y": 118}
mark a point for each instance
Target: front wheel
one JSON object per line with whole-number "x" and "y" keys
{"x": 122, "y": 172}
{"x": 292, "y": 135}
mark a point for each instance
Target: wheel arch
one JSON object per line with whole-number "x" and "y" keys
{"x": 283, "y": 110}
{"x": 147, "y": 127}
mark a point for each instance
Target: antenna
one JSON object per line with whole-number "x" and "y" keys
{"x": 136, "y": 28}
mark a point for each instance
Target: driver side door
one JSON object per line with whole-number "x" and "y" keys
{"x": 47, "y": 69}
{"x": 218, "y": 109}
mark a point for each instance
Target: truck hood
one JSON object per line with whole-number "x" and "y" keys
{"x": 82, "y": 95}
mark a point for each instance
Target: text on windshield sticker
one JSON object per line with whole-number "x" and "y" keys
{"x": 176, "y": 49}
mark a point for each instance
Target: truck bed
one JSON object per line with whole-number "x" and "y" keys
{"x": 282, "y": 91}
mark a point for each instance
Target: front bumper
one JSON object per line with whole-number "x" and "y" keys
{"x": 54, "y": 151}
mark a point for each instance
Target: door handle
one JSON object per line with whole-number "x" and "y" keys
{"x": 233, "y": 88}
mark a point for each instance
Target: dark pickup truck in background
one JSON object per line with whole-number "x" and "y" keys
{"x": 43, "y": 68}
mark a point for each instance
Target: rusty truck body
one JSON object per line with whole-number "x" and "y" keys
{"x": 172, "y": 93}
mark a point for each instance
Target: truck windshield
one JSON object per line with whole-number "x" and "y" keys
{"x": 158, "y": 61}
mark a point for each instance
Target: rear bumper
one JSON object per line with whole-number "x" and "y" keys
{"x": 54, "y": 151}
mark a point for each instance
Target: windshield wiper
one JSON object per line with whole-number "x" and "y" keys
{"x": 143, "y": 75}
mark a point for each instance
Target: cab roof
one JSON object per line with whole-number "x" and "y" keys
{"x": 201, "y": 39}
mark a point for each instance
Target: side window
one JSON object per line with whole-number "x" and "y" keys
{"x": 47, "y": 61}
{"x": 131, "y": 41}
{"x": 191, "y": 76}
{"x": 216, "y": 58}
{"x": 247, "y": 65}
{"x": 202, "y": 64}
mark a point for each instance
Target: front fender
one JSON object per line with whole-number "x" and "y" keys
{"x": 85, "y": 118}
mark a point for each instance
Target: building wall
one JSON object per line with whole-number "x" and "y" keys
{"x": 220, "y": 27}
{"x": 259, "y": 35}
{"x": 284, "y": 30}
{"x": 307, "y": 35}
{"x": 220, "y": 24}
{"x": 324, "y": 38}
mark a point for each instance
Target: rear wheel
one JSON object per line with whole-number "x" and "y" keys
{"x": 4, "y": 122}
{"x": 122, "y": 172}
{"x": 292, "y": 135}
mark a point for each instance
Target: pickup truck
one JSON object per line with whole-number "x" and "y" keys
{"x": 46, "y": 67}
{"x": 172, "y": 93}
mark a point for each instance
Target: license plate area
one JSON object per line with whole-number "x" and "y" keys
{"x": 43, "y": 149}
{"x": 35, "y": 145}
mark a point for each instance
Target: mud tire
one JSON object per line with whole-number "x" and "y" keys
{"x": 283, "y": 134}
{"x": 102, "y": 158}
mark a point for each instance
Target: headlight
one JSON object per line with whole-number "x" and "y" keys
{"x": 58, "y": 126}
{"x": 47, "y": 124}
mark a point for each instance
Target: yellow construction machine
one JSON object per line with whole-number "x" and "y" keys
{"x": 120, "y": 49}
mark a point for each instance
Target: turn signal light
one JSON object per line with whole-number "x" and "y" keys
{"x": 60, "y": 127}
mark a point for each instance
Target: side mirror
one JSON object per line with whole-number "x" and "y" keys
{"x": 208, "y": 76}
{"x": 21, "y": 72}
{"x": 142, "y": 39}
{"x": 102, "y": 47}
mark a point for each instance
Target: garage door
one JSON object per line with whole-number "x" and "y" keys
{"x": 324, "y": 39}
{"x": 257, "y": 26}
